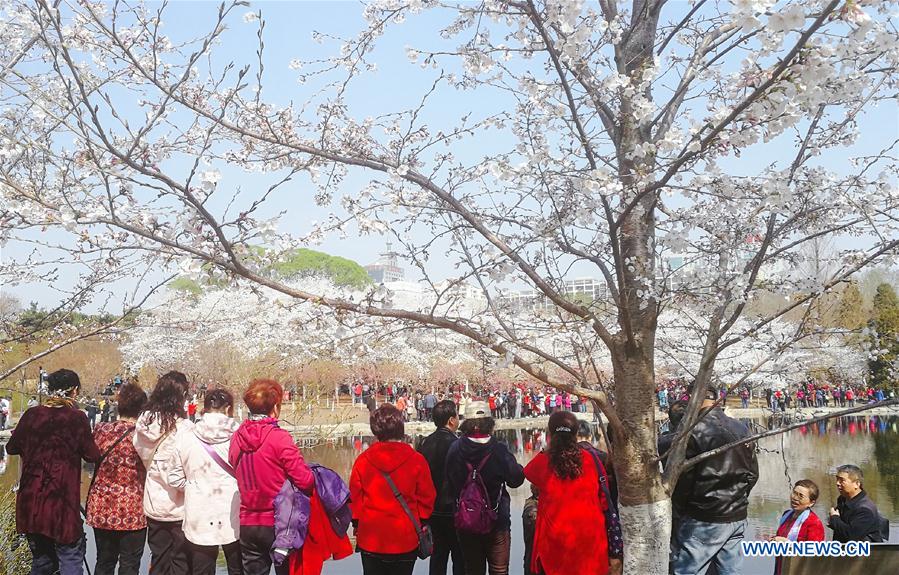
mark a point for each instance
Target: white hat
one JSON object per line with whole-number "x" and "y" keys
{"x": 476, "y": 409}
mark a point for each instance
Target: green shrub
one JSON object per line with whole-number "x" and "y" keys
{"x": 15, "y": 557}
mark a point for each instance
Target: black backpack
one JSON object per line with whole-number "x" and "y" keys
{"x": 884, "y": 528}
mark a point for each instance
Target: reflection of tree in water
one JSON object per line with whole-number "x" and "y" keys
{"x": 886, "y": 453}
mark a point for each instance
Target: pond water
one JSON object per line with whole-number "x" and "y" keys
{"x": 810, "y": 452}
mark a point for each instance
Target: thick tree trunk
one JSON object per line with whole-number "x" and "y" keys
{"x": 645, "y": 503}
{"x": 646, "y": 529}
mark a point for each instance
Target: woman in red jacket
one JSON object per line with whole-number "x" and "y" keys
{"x": 263, "y": 456}
{"x": 385, "y": 534}
{"x": 799, "y": 522}
{"x": 570, "y": 535}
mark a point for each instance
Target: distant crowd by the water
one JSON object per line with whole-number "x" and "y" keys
{"x": 191, "y": 484}
{"x": 810, "y": 393}
{"x": 511, "y": 401}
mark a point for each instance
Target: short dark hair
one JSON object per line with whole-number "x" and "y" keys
{"x": 811, "y": 486}
{"x": 443, "y": 412}
{"x": 853, "y": 471}
{"x": 387, "y": 423}
{"x": 218, "y": 399}
{"x": 131, "y": 400}
{"x": 62, "y": 380}
{"x": 478, "y": 425}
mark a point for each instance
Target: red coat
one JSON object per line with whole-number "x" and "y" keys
{"x": 570, "y": 535}
{"x": 811, "y": 530}
{"x": 264, "y": 456}
{"x": 52, "y": 441}
{"x": 321, "y": 543}
{"x": 383, "y": 525}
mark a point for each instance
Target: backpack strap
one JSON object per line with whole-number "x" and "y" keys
{"x": 402, "y": 502}
{"x": 216, "y": 457}
{"x": 103, "y": 457}
{"x": 482, "y": 463}
{"x": 480, "y": 466}
{"x": 613, "y": 523}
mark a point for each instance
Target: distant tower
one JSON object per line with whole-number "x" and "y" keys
{"x": 387, "y": 268}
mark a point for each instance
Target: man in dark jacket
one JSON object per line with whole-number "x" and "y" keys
{"x": 499, "y": 470}
{"x": 434, "y": 448}
{"x": 712, "y": 497}
{"x": 92, "y": 410}
{"x": 855, "y": 518}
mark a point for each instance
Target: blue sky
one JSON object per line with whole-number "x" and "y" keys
{"x": 397, "y": 85}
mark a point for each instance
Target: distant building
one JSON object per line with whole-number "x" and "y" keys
{"x": 586, "y": 291}
{"x": 387, "y": 268}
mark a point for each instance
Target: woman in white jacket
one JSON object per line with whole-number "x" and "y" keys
{"x": 199, "y": 466}
{"x": 154, "y": 439}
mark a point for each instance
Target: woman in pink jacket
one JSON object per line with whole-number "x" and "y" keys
{"x": 264, "y": 456}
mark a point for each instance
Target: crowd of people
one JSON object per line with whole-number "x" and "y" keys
{"x": 810, "y": 393}
{"x": 188, "y": 489}
{"x": 815, "y": 394}
{"x": 513, "y": 402}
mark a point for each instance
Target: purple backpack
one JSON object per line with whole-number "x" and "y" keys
{"x": 474, "y": 514}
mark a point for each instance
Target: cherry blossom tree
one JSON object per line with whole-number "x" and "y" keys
{"x": 265, "y": 329}
{"x": 630, "y": 140}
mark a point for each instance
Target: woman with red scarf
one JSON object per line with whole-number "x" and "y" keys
{"x": 799, "y": 522}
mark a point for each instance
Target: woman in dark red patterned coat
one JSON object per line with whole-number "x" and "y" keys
{"x": 52, "y": 439}
{"x": 115, "y": 502}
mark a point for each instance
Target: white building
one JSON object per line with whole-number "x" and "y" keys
{"x": 387, "y": 268}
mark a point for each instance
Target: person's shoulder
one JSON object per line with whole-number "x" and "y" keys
{"x": 454, "y": 448}
{"x": 27, "y": 416}
{"x": 540, "y": 459}
{"x": 733, "y": 424}
{"x": 362, "y": 460}
{"x": 865, "y": 503}
{"x": 280, "y": 437}
{"x": 104, "y": 428}
{"x": 71, "y": 413}
{"x": 498, "y": 446}
{"x": 418, "y": 459}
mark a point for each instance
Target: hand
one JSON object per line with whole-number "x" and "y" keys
{"x": 615, "y": 567}
{"x": 833, "y": 511}
{"x": 779, "y": 539}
